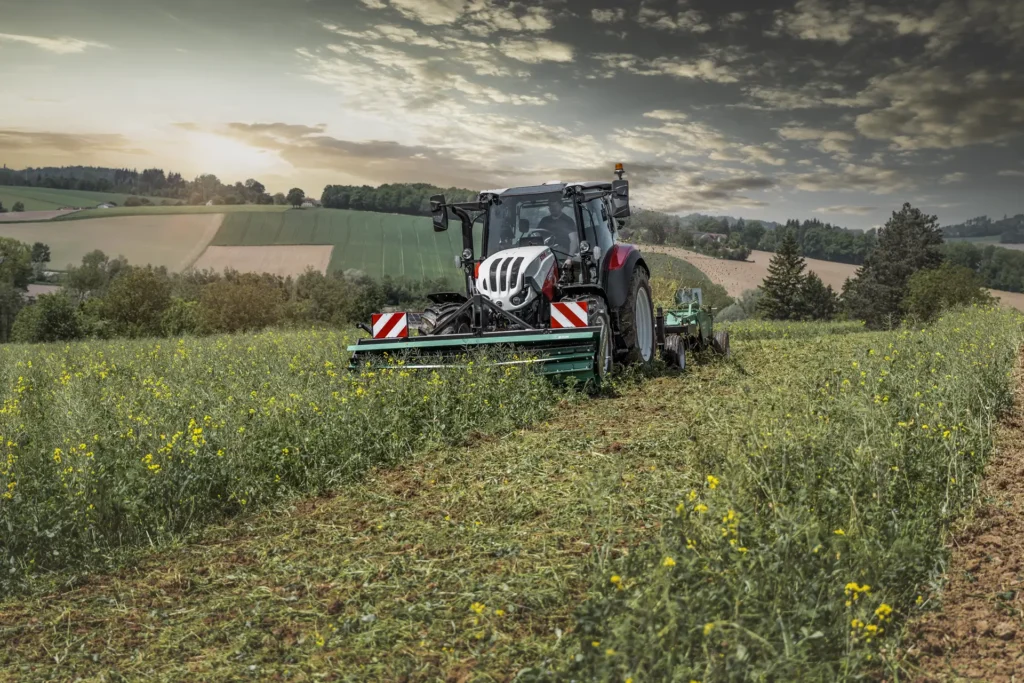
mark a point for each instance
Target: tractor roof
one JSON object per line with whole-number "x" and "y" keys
{"x": 547, "y": 188}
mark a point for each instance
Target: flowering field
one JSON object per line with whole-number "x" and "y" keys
{"x": 111, "y": 445}
{"x": 776, "y": 516}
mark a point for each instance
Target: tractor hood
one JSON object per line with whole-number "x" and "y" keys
{"x": 502, "y": 278}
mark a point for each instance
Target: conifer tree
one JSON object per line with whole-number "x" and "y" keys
{"x": 783, "y": 288}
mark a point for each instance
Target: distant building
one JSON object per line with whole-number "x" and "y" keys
{"x": 713, "y": 236}
{"x": 310, "y": 203}
{"x": 106, "y": 205}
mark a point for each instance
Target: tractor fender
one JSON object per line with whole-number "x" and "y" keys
{"x": 622, "y": 262}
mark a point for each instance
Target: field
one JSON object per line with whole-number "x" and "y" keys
{"x": 375, "y": 243}
{"x": 284, "y": 261}
{"x": 776, "y": 516}
{"x": 44, "y": 199}
{"x": 171, "y": 241}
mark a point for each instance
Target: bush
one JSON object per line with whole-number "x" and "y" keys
{"x": 181, "y": 318}
{"x": 135, "y": 302}
{"x": 52, "y": 318}
{"x": 18, "y": 207}
{"x": 133, "y": 201}
{"x": 240, "y": 305}
{"x": 930, "y": 292}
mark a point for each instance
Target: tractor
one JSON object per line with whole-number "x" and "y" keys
{"x": 546, "y": 276}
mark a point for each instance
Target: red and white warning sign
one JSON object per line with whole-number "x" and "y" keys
{"x": 566, "y": 314}
{"x": 390, "y": 325}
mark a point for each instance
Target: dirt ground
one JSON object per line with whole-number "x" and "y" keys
{"x": 739, "y": 276}
{"x": 279, "y": 260}
{"x": 33, "y": 215}
{"x": 978, "y": 634}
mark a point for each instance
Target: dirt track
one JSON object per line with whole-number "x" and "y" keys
{"x": 978, "y": 634}
{"x": 20, "y": 216}
{"x": 281, "y": 260}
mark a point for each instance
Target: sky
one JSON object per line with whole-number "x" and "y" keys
{"x": 768, "y": 109}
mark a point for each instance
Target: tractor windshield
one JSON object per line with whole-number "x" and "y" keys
{"x": 533, "y": 220}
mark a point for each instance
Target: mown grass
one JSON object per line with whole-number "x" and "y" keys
{"x": 497, "y": 557}
{"x": 778, "y": 329}
{"x": 107, "y": 446}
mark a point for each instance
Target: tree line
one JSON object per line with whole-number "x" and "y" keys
{"x": 1009, "y": 229}
{"x": 404, "y": 198}
{"x": 106, "y": 297}
{"x": 906, "y": 275}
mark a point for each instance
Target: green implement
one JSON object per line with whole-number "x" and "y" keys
{"x": 555, "y": 353}
{"x": 690, "y": 327}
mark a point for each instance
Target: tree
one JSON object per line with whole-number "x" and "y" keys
{"x": 253, "y": 189}
{"x": 296, "y": 196}
{"x": 52, "y": 318}
{"x": 2, "y": 209}
{"x": 40, "y": 253}
{"x": 932, "y": 291}
{"x": 18, "y": 207}
{"x": 782, "y": 298}
{"x": 280, "y": 199}
{"x": 135, "y": 302}
{"x": 818, "y": 301}
{"x": 95, "y": 273}
{"x": 909, "y": 242}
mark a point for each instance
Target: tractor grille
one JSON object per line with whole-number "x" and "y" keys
{"x": 503, "y": 277}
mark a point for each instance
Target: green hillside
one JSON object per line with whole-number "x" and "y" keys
{"x": 376, "y": 243}
{"x": 45, "y": 199}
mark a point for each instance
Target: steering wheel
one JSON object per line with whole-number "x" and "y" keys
{"x": 535, "y": 238}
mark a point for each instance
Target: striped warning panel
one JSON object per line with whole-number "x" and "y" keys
{"x": 568, "y": 314}
{"x": 390, "y": 325}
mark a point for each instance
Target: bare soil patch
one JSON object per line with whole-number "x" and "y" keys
{"x": 33, "y": 215}
{"x": 978, "y": 634}
{"x": 279, "y": 260}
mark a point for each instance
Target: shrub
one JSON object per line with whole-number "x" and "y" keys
{"x": 930, "y": 292}
{"x": 135, "y": 302}
{"x": 52, "y": 318}
{"x": 133, "y": 201}
{"x": 236, "y": 306}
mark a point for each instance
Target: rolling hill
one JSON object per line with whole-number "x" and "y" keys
{"x": 45, "y": 199}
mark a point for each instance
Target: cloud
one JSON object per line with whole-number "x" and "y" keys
{"x": 536, "y": 50}
{"x": 937, "y": 108}
{"x": 677, "y": 136}
{"x": 816, "y": 20}
{"x": 431, "y": 12}
{"x": 852, "y": 177}
{"x": 1011, "y": 173}
{"x": 479, "y": 17}
{"x": 848, "y": 210}
{"x": 828, "y": 141}
{"x": 22, "y": 140}
{"x": 703, "y": 69}
{"x": 686, "y": 21}
{"x": 62, "y": 45}
{"x": 951, "y": 178}
{"x": 608, "y": 16}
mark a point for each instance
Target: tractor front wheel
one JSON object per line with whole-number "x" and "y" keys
{"x": 636, "y": 320}
{"x": 436, "y": 314}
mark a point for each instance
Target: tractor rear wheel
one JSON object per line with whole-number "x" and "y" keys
{"x": 435, "y": 314}
{"x": 675, "y": 351}
{"x": 597, "y": 313}
{"x": 721, "y": 343}
{"x": 636, "y": 320}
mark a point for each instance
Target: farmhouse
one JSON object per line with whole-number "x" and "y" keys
{"x": 713, "y": 236}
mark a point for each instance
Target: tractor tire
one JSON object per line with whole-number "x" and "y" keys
{"x": 604, "y": 359}
{"x": 675, "y": 351}
{"x": 721, "y": 344}
{"x": 636, "y": 320}
{"x": 435, "y": 314}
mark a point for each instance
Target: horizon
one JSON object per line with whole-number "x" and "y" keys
{"x": 766, "y": 111}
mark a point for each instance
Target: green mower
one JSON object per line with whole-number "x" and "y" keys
{"x": 688, "y": 328}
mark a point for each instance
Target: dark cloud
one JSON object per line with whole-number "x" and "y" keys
{"x": 72, "y": 143}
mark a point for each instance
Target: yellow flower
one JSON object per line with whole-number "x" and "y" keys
{"x": 700, "y": 508}
{"x": 499, "y": 612}
{"x": 609, "y": 652}
{"x": 839, "y": 532}
{"x": 668, "y": 562}
{"x": 708, "y": 627}
{"x": 712, "y": 482}
{"x": 616, "y": 579}
{"x": 596, "y": 643}
{"x": 478, "y": 607}
{"x": 883, "y": 611}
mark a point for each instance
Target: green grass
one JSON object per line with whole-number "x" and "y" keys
{"x": 377, "y": 244}
{"x": 45, "y": 199}
{"x": 498, "y": 556}
{"x": 173, "y": 211}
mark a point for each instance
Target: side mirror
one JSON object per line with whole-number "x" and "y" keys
{"x": 439, "y": 212}
{"x": 620, "y": 198}
{"x": 524, "y": 225}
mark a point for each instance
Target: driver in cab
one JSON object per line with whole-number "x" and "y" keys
{"x": 561, "y": 227}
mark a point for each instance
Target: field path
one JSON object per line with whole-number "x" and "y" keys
{"x": 384, "y": 580}
{"x": 977, "y": 634}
